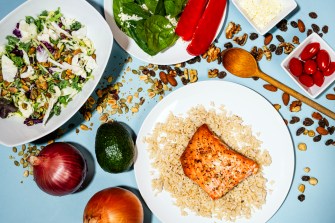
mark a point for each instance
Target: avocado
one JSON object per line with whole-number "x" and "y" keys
{"x": 114, "y": 147}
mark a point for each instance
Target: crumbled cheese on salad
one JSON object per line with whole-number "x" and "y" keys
{"x": 261, "y": 12}
{"x": 126, "y": 17}
{"x": 44, "y": 65}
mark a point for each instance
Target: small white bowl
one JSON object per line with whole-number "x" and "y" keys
{"x": 288, "y": 7}
{"x": 313, "y": 91}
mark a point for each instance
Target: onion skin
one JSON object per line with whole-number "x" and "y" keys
{"x": 113, "y": 205}
{"x": 59, "y": 169}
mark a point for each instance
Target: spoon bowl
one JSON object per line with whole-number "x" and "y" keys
{"x": 241, "y": 63}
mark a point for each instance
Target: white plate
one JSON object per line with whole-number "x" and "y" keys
{"x": 254, "y": 110}
{"x": 173, "y": 55}
{"x": 13, "y": 131}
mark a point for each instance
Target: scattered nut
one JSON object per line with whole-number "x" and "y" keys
{"x": 163, "y": 77}
{"x": 330, "y": 96}
{"x": 317, "y": 116}
{"x": 285, "y": 98}
{"x": 193, "y": 74}
{"x": 267, "y": 53}
{"x": 321, "y": 130}
{"x": 270, "y": 87}
{"x": 311, "y": 133}
{"x": 241, "y": 40}
{"x": 302, "y": 146}
{"x": 295, "y": 106}
{"x": 313, "y": 181}
{"x": 295, "y": 40}
{"x": 277, "y": 106}
{"x": 213, "y": 73}
{"x": 288, "y": 47}
{"x": 172, "y": 80}
{"x": 232, "y": 29}
{"x": 268, "y": 38}
{"x": 307, "y": 169}
{"x": 301, "y": 188}
{"x": 301, "y": 26}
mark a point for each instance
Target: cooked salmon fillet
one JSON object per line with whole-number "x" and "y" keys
{"x": 213, "y": 165}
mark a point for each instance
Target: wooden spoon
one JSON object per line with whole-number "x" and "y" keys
{"x": 242, "y": 64}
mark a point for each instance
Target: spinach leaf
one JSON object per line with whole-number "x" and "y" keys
{"x": 75, "y": 26}
{"x": 160, "y": 8}
{"x": 117, "y": 9}
{"x": 133, "y": 9}
{"x": 137, "y": 33}
{"x": 152, "y": 5}
{"x": 174, "y": 7}
{"x": 159, "y": 33}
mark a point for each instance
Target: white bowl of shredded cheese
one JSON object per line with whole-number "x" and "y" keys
{"x": 263, "y": 15}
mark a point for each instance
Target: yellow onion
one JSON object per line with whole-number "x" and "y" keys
{"x": 113, "y": 205}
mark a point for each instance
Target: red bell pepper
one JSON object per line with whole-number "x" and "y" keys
{"x": 189, "y": 19}
{"x": 207, "y": 27}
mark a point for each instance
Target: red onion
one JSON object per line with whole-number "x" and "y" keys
{"x": 113, "y": 205}
{"x": 59, "y": 169}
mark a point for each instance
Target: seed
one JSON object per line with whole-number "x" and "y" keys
{"x": 16, "y": 163}
{"x": 279, "y": 50}
{"x": 307, "y": 169}
{"x": 110, "y": 79}
{"x": 26, "y": 173}
{"x": 228, "y": 45}
{"x": 294, "y": 24}
{"x": 25, "y": 164}
{"x": 14, "y": 149}
{"x": 301, "y": 26}
{"x": 253, "y": 36}
{"x": 270, "y": 87}
{"x": 313, "y": 15}
{"x": 305, "y": 132}
{"x": 301, "y": 197}
{"x": 308, "y": 122}
{"x": 311, "y": 133}
{"x": 302, "y": 146}
{"x": 267, "y": 38}
{"x": 321, "y": 130}
{"x": 325, "y": 29}
{"x": 315, "y": 28}
{"x": 329, "y": 142}
{"x": 286, "y": 98}
{"x": 83, "y": 127}
{"x": 301, "y": 188}
{"x": 280, "y": 38}
{"x": 272, "y": 48}
{"x": 20, "y": 153}
{"x": 309, "y": 32}
{"x": 317, "y": 138}
{"x": 313, "y": 181}
{"x": 305, "y": 178}
{"x": 300, "y": 131}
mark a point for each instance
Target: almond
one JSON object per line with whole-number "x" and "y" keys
{"x": 268, "y": 38}
{"x": 295, "y": 106}
{"x": 330, "y": 96}
{"x": 163, "y": 77}
{"x": 172, "y": 80}
{"x": 270, "y": 87}
{"x": 317, "y": 116}
{"x": 322, "y": 131}
{"x": 286, "y": 98}
{"x": 301, "y": 26}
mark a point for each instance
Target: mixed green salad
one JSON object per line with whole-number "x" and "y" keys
{"x": 151, "y": 23}
{"x": 44, "y": 64}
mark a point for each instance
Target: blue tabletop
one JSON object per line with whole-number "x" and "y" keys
{"x": 22, "y": 201}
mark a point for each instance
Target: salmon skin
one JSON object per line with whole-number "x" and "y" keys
{"x": 212, "y": 165}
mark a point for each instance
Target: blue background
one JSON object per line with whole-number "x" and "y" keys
{"x": 24, "y": 202}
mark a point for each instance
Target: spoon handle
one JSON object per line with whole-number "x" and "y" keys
{"x": 296, "y": 94}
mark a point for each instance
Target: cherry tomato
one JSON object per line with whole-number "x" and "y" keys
{"x": 330, "y": 70}
{"x": 295, "y": 66}
{"x": 310, "y": 51}
{"x": 306, "y": 80}
{"x": 310, "y": 67}
{"x": 323, "y": 60}
{"x": 318, "y": 78}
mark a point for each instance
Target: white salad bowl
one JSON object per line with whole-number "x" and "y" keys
{"x": 13, "y": 131}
